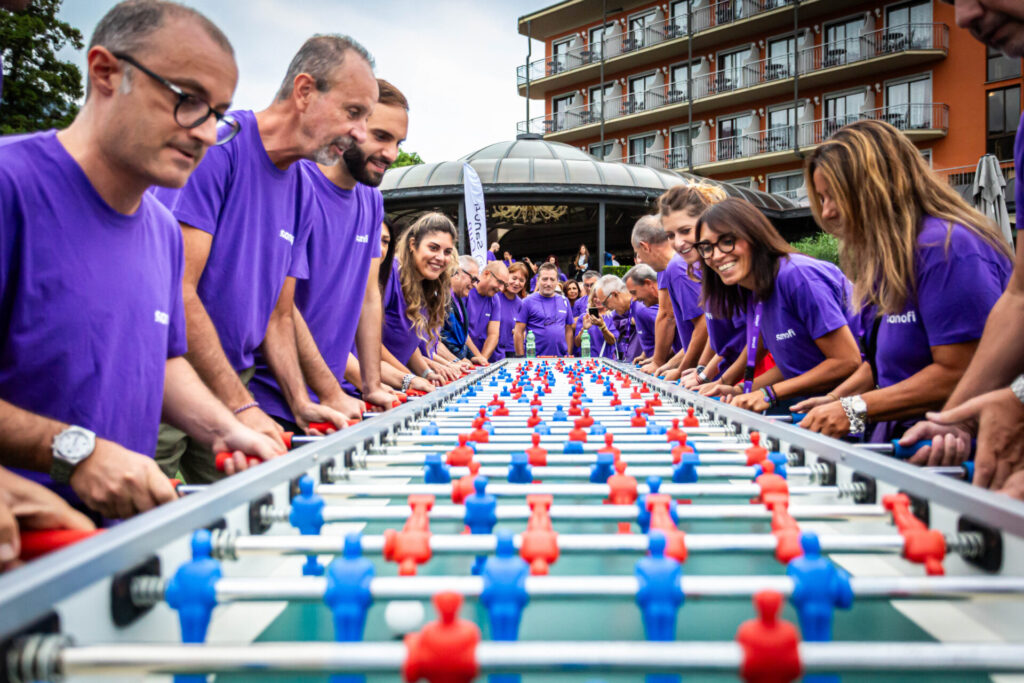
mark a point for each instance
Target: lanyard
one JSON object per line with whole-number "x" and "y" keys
{"x": 753, "y": 330}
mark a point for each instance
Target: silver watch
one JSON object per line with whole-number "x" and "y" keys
{"x": 70, "y": 448}
{"x": 856, "y": 412}
{"x": 1017, "y": 387}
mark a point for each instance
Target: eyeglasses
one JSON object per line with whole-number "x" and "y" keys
{"x": 190, "y": 111}
{"x": 498, "y": 280}
{"x": 472, "y": 278}
{"x": 725, "y": 245}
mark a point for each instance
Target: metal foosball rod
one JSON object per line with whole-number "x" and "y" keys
{"x": 148, "y": 590}
{"x": 401, "y": 456}
{"x": 568, "y": 472}
{"x": 52, "y": 658}
{"x": 584, "y": 513}
{"x": 229, "y": 546}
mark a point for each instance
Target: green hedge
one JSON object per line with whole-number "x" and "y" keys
{"x": 615, "y": 270}
{"x": 821, "y": 246}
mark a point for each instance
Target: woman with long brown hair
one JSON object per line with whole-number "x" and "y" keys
{"x": 798, "y": 308}
{"x": 926, "y": 267}
{"x": 418, "y": 290}
{"x": 572, "y": 292}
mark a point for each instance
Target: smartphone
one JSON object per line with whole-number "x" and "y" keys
{"x": 592, "y": 310}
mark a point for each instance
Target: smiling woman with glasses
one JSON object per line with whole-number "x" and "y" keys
{"x": 796, "y": 307}
{"x": 190, "y": 111}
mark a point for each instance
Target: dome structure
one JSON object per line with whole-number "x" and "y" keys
{"x": 533, "y": 169}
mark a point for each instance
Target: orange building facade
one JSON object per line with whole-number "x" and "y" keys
{"x": 741, "y": 90}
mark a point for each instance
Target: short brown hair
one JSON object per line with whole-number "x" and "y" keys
{"x": 694, "y": 198}
{"x": 390, "y": 95}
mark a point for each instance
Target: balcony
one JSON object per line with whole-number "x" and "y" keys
{"x": 772, "y": 146}
{"x": 722, "y": 20}
{"x": 862, "y": 56}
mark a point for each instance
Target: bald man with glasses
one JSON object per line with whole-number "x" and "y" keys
{"x": 484, "y": 309}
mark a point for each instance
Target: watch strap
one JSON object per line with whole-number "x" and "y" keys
{"x": 1017, "y": 387}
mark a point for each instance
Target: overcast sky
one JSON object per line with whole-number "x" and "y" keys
{"x": 455, "y": 59}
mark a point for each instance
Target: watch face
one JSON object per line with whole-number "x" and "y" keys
{"x": 74, "y": 445}
{"x": 859, "y": 405}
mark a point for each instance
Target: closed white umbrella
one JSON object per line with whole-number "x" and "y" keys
{"x": 989, "y": 194}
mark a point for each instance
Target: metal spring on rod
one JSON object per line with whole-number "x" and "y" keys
{"x": 819, "y": 472}
{"x": 271, "y": 515}
{"x": 146, "y": 591}
{"x": 967, "y": 544}
{"x": 222, "y": 544}
{"x": 36, "y": 658}
{"x": 858, "y": 491}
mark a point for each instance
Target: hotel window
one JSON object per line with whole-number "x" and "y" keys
{"x": 780, "y": 58}
{"x": 639, "y": 27}
{"x": 641, "y": 93}
{"x": 679, "y": 82}
{"x": 560, "y": 56}
{"x": 679, "y": 16}
{"x": 779, "y": 135}
{"x": 560, "y": 107}
{"x": 842, "y": 109}
{"x": 639, "y": 148}
{"x": 1003, "y": 116}
{"x": 680, "y": 141}
{"x": 729, "y": 140}
{"x": 789, "y": 185}
{"x": 604, "y": 155}
{"x": 597, "y": 103}
{"x": 598, "y": 36}
{"x": 908, "y": 103}
{"x": 908, "y": 26}
{"x": 842, "y": 42}
{"x": 1000, "y": 67}
{"x": 729, "y": 65}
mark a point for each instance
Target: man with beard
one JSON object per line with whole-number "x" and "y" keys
{"x": 245, "y": 216}
{"x": 344, "y": 256}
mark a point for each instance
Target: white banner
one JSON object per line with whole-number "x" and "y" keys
{"x": 476, "y": 215}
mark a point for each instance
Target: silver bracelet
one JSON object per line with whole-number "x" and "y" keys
{"x": 250, "y": 404}
{"x": 406, "y": 381}
{"x": 1017, "y": 387}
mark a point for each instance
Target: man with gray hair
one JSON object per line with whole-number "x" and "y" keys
{"x": 93, "y": 328}
{"x": 456, "y": 325}
{"x": 642, "y": 283}
{"x": 679, "y": 312}
{"x": 245, "y": 216}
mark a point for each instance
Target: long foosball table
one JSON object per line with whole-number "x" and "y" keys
{"x": 543, "y": 520}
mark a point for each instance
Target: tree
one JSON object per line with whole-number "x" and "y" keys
{"x": 39, "y": 90}
{"x": 406, "y": 159}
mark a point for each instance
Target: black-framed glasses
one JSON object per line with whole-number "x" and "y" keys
{"x": 498, "y": 280}
{"x": 190, "y": 111}
{"x": 472, "y": 278}
{"x": 725, "y": 245}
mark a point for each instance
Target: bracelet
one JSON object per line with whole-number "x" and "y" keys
{"x": 406, "y": 381}
{"x": 832, "y": 396}
{"x": 250, "y": 404}
{"x": 769, "y": 395}
{"x": 426, "y": 373}
{"x": 1017, "y": 387}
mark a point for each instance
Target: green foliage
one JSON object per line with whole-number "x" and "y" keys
{"x": 615, "y": 270}
{"x": 821, "y": 246}
{"x": 39, "y": 90}
{"x": 406, "y": 159}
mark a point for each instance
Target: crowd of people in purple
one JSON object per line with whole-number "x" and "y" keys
{"x": 179, "y": 279}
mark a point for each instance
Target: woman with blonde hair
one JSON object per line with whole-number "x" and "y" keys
{"x": 417, "y": 292}
{"x": 926, "y": 267}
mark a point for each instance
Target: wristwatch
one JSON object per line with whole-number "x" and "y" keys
{"x": 70, "y": 448}
{"x": 856, "y": 412}
{"x": 701, "y": 374}
{"x": 1017, "y": 387}
{"x": 406, "y": 381}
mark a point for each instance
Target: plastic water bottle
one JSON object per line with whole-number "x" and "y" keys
{"x": 531, "y": 345}
{"x": 585, "y": 344}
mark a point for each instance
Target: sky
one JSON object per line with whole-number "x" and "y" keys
{"x": 455, "y": 60}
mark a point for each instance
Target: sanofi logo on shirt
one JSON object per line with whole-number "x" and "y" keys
{"x": 788, "y": 334}
{"x": 902, "y": 319}
{"x": 287, "y": 237}
{"x": 162, "y": 318}
{"x": 362, "y": 239}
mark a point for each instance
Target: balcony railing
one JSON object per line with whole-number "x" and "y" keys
{"x": 906, "y": 117}
{"x": 964, "y": 175}
{"x": 704, "y": 18}
{"x": 817, "y": 58}
{"x": 651, "y": 159}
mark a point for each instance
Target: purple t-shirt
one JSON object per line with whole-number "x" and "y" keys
{"x": 510, "y": 312}
{"x": 955, "y": 290}
{"x": 344, "y": 238}
{"x": 599, "y": 348}
{"x": 481, "y": 311}
{"x": 728, "y": 337}
{"x": 1018, "y": 165}
{"x": 579, "y": 307}
{"x": 398, "y": 334}
{"x": 491, "y": 256}
{"x": 810, "y": 299}
{"x": 90, "y": 299}
{"x": 255, "y": 213}
{"x": 547, "y": 318}
{"x": 685, "y": 294}
{"x": 644, "y": 317}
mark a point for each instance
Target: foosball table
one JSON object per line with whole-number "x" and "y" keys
{"x": 541, "y": 520}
